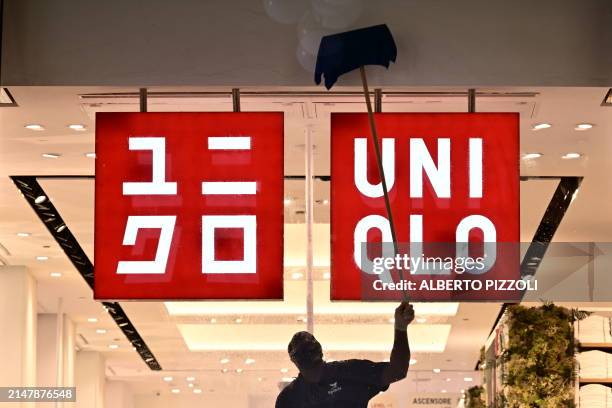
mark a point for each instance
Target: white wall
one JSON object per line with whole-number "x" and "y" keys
{"x": 237, "y": 400}
{"x": 117, "y": 394}
{"x": 89, "y": 379}
{"x": 235, "y": 42}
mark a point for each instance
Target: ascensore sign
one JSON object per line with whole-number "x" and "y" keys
{"x": 189, "y": 206}
{"x": 453, "y": 181}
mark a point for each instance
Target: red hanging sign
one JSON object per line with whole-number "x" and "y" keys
{"x": 453, "y": 178}
{"x": 189, "y": 206}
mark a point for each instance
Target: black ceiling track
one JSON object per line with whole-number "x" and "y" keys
{"x": 35, "y": 195}
{"x": 557, "y": 207}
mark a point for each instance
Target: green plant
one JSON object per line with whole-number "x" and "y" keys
{"x": 539, "y": 360}
{"x": 474, "y": 397}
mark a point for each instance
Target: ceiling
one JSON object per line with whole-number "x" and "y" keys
{"x": 192, "y": 338}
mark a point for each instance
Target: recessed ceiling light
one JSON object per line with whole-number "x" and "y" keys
{"x": 260, "y": 379}
{"x": 286, "y": 379}
{"x": 78, "y": 127}
{"x": 583, "y": 126}
{"x": 190, "y": 385}
{"x": 249, "y": 361}
{"x": 213, "y": 320}
{"x": 436, "y": 370}
{"x": 91, "y": 155}
{"x": 569, "y": 156}
{"x": 326, "y": 275}
{"x": 224, "y": 370}
{"x": 113, "y": 346}
{"x": 297, "y": 275}
{"x": 51, "y": 155}
{"x": 34, "y": 126}
{"x": 468, "y": 379}
{"x": 175, "y": 391}
{"x": 325, "y": 202}
{"x": 190, "y": 379}
{"x": 61, "y": 228}
{"x": 23, "y": 234}
{"x": 239, "y": 370}
{"x": 55, "y": 274}
{"x": 224, "y": 360}
{"x": 92, "y": 319}
{"x": 448, "y": 380}
{"x": 288, "y": 201}
{"x": 238, "y": 320}
{"x": 531, "y": 156}
{"x": 443, "y": 391}
{"x": 540, "y": 126}
{"x": 168, "y": 378}
{"x": 101, "y": 331}
{"x": 413, "y": 361}
{"x": 40, "y": 199}
{"x": 42, "y": 258}
{"x": 197, "y": 391}
{"x": 284, "y": 370}
{"x": 421, "y": 320}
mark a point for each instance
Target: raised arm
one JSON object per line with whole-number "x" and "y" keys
{"x": 400, "y": 355}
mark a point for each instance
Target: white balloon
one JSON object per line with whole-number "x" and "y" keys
{"x": 285, "y": 11}
{"x": 306, "y": 59}
{"x": 310, "y": 31}
{"x": 337, "y": 14}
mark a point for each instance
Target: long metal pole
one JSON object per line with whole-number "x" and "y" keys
{"x": 381, "y": 170}
{"x": 143, "y": 99}
{"x": 309, "y": 226}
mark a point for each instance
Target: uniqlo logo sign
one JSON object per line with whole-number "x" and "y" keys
{"x": 189, "y": 206}
{"x": 452, "y": 178}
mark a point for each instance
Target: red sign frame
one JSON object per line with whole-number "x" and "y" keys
{"x": 165, "y": 180}
{"x": 442, "y": 209}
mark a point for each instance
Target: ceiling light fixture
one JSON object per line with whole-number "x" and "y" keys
{"x": 92, "y": 320}
{"x": 531, "y": 156}
{"x": 113, "y": 346}
{"x": 297, "y": 275}
{"x": 34, "y": 126}
{"x": 40, "y": 199}
{"x": 90, "y": 155}
{"x": 284, "y": 370}
{"x": 325, "y": 202}
{"x": 238, "y": 320}
{"x": 168, "y": 378}
{"x": 583, "y": 126}
{"x": 249, "y": 361}
{"x": 468, "y": 379}
{"x": 55, "y": 274}
{"x": 326, "y": 275}
{"x": 51, "y": 155}
{"x": 224, "y": 360}
{"x": 213, "y": 320}
{"x": 540, "y": 126}
{"x": 443, "y": 391}
{"x": 197, "y": 391}
{"x": 23, "y": 234}
{"x": 239, "y": 370}
{"x": 413, "y": 361}
{"x": 288, "y": 201}
{"x": 572, "y": 155}
{"x": 190, "y": 385}
{"x": 77, "y": 127}
{"x": 190, "y": 379}
{"x": 421, "y": 320}
{"x": 224, "y": 370}
{"x": 175, "y": 391}
{"x": 42, "y": 258}
{"x": 436, "y": 370}
{"x": 101, "y": 331}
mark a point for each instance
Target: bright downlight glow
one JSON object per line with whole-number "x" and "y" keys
{"x": 531, "y": 156}
{"x": 540, "y": 126}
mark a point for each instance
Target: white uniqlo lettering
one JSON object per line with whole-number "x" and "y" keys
{"x": 248, "y": 224}
{"x": 158, "y": 184}
{"x": 136, "y": 222}
{"x": 210, "y": 223}
{"x": 361, "y": 167}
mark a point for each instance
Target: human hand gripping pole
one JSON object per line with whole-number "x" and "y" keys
{"x": 344, "y": 52}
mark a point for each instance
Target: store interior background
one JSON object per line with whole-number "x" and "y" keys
{"x": 194, "y": 339}
{"x": 548, "y": 60}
